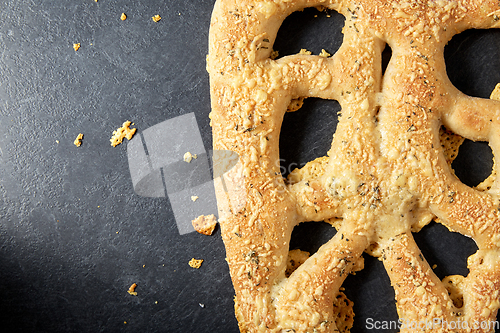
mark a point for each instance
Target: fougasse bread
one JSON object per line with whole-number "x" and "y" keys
{"x": 386, "y": 174}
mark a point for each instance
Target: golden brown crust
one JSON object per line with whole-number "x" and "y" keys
{"x": 398, "y": 177}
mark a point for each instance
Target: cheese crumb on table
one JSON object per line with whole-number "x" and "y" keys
{"x": 194, "y": 198}
{"x": 76, "y": 46}
{"x": 156, "y": 18}
{"x": 188, "y": 157}
{"x": 195, "y": 263}
{"x": 78, "y": 140}
{"x": 123, "y": 17}
{"x": 205, "y": 224}
{"x": 131, "y": 290}
{"x": 123, "y": 132}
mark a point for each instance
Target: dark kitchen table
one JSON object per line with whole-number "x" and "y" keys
{"x": 80, "y": 225}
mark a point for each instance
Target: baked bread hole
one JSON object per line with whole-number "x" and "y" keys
{"x": 445, "y": 251}
{"x": 472, "y": 61}
{"x": 311, "y": 29}
{"x": 474, "y": 163}
{"x": 307, "y": 133}
{"x": 309, "y": 236}
{"x": 370, "y": 290}
{"x": 386, "y": 57}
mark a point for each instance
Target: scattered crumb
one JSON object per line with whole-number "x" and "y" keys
{"x": 324, "y": 54}
{"x": 57, "y": 141}
{"x": 195, "y": 263}
{"x": 76, "y": 46}
{"x": 131, "y": 290}
{"x": 143, "y": 266}
{"x": 124, "y": 321}
{"x": 304, "y": 51}
{"x": 123, "y": 132}
{"x": 205, "y": 224}
{"x": 434, "y": 266}
{"x": 274, "y": 54}
{"x": 188, "y": 157}
{"x": 123, "y": 17}
{"x": 202, "y": 305}
{"x": 156, "y": 302}
{"x": 495, "y": 94}
{"x": 194, "y": 198}
{"x": 78, "y": 140}
{"x": 156, "y": 18}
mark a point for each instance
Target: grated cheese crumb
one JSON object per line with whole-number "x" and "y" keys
{"x": 324, "y": 54}
{"x": 123, "y": 17}
{"x": 495, "y": 94}
{"x": 76, "y": 46}
{"x": 78, "y": 140}
{"x": 195, "y": 263}
{"x": 205, "y": 224}
{"x": 123, "y": 132}
{"x": 131, "y": 290}
{"x": 188, "y": 157}
{"x": 194, "y": 198}
{"x": 156, "y": 18}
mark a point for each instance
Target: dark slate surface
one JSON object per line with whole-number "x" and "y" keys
{"x": 73, "y": 233}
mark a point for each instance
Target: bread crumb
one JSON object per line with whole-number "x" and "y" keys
{"x": 123, "y": 132}
{"x": 205, "y": 224}
{"x": 131, "y": 290}
{"x": 188, "y": 157}
{"x": 194, "y": 198}
{"x": 434, "y": 266}
{"x": 123, "y": 17}
{"x": 156, "y": 18}
{"x": 195, "y": 263}
{"x": 304, "y": 51}
{"x": 76, "y": 46}
{"x": 78, "y": 140}
{"x": 324, "y": 54}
